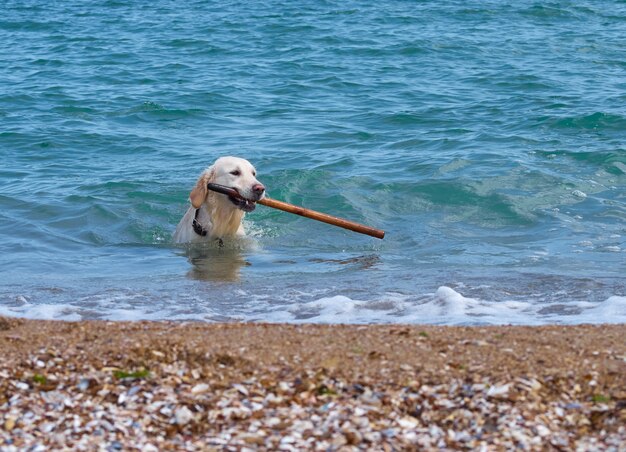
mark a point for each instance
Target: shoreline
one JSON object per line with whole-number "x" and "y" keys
{"x": 191, "y": 386}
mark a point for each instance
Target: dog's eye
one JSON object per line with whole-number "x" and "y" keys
{"x": 236, "y": 173}
{"x": 254, "y": 173}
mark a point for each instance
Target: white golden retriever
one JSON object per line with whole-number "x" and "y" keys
{"x": 214, "y": 216}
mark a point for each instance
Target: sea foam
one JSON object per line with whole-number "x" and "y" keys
{"x": 444, "y": 306}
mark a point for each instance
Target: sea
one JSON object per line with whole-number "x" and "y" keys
{"x": 486, "y": 138}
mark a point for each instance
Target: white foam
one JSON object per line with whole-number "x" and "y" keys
{"x": 41, "y": 311}
{"x": 338, "y": 307}
{"x": 445, "y": 306}
{"x": 453, "y": 303}
{"x": 612, "y": 310}
{"x": 449, "y": 307}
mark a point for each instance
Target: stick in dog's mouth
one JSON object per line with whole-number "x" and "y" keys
{"x": 234, "y": 196}
{"x": 244, "y": 204}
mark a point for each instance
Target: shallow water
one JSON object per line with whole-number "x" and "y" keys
{"x": 486, "y": 138}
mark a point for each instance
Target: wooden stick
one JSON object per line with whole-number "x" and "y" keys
{"x": 325, "y": 218}
{"x": 308, "y": 213}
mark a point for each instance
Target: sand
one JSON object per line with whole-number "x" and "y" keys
{"x": 197, "y": 386}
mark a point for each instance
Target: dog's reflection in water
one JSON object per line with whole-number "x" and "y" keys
{"x": 221, "y": 262}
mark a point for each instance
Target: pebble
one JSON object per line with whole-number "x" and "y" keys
{"x": 200, "y": 388}
{"x": 183, "y": 416}
{"x": 228, "y": 408}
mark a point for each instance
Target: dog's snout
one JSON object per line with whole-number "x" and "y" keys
{"x": 258, "y": 189}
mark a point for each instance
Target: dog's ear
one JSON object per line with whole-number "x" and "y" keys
{"x": 199, "y": 192}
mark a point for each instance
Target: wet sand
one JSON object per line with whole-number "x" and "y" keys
{"x": 197, "y": 386}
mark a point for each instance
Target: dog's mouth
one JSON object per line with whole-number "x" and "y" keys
{"x": 247, "y": 205}
{"x": 244, "y": 204}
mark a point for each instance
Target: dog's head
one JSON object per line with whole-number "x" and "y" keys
{"x": 233, "y": 172}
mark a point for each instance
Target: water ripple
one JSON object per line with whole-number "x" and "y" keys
{"x": 486, "y": 138}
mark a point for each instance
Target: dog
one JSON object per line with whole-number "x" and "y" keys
{"x": 214, "y": 216}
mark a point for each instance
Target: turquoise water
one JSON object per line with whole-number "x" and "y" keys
{"x": 488, "y": 139}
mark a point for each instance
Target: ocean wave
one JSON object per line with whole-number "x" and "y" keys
{"x": 598, "y": 121}
{"x": 444, "y": 306}
{"x": 150, "y": 110}
{"x": 484, "y": 138}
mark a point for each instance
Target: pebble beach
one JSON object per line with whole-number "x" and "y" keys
{"x": 97, "y": 385}
{"x": 487, "y": 139}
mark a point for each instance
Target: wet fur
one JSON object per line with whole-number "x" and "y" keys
{"x": 217, "y": 214}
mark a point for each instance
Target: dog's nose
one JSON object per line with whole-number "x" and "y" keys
{"x": 258, "y": 189}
